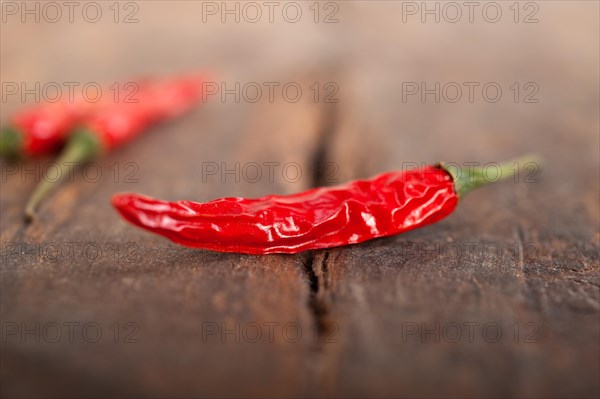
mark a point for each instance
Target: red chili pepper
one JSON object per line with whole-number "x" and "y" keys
{"x": 158, "y": 101}
{"x": 42, "y": 129}
{"x": 361, "y": 210}
{"x": 117, "y": 123}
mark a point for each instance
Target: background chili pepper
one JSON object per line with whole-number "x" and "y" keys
{"x": 385, "y": 205}
{"x": 117, "y": 123}
{"x": 42, "y": 129}
{"x": 45, "y": 128}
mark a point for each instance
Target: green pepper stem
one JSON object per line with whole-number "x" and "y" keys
{"x": 466, "y": 179}
{"x": 11, "y": 142}
{"x": 82, "y": 146}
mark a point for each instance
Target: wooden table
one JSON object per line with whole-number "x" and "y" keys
{"x": 500, "y": 299}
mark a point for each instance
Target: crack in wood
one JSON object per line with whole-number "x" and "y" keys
{"x": 319, "y": 309}
{"x": 320, "y": 159}
{"x": 313, "y": 281}
{"x": 325, "y": 270}
{"x": 316, "y": 267}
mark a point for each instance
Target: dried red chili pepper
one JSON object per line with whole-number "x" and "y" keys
{"x": 42, "y": 129}
{"x": 117, "y": 123}
{"x": 361, "y": 210}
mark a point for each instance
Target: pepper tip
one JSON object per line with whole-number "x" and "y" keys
{"x": 119, "y": 200}
{"x": 28, "y": 216}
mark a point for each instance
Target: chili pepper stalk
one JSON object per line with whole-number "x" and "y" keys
{"x": 385, "y": 205}
{"x": 83, "y": 146}
{"x": 11, "y": 142}
{"x": 468, "y": 179}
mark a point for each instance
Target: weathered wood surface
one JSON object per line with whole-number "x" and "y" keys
{"x": 378, "y": 319}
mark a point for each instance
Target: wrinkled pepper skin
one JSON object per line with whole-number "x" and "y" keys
{"x": 351, "y": 213}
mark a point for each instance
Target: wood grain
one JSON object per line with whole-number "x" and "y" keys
{"x": 379, "y": 319}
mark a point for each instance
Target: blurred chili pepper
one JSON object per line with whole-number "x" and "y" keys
{"x": 117, "y": 123}
{"x": 42, "y": 129}
{"x": 361, "y": 210}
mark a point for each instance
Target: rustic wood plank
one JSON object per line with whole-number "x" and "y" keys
{"x": 173, "y": 298}
{"x": 525, "y": 252}
{"x": 79, "y": 263}
{"x": 170, "y": 293}
{"x": 357, "y": 307}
